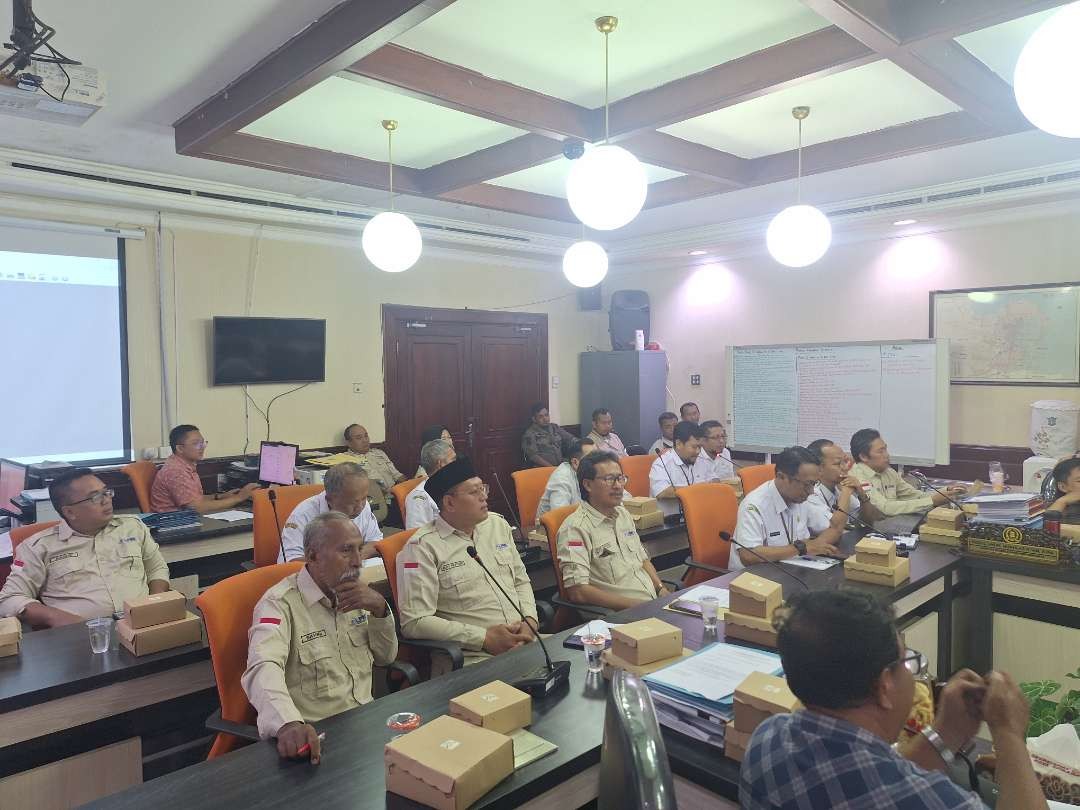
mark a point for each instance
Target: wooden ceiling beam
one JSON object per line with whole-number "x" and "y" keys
{"x": 508, "y": 157}
{"x": 346, "y": 33}
{"x": 920, "y": 20}
{"x": 681, "y": 189}
{"x": 501, "y": 198}
{"x": 724, "y": 170}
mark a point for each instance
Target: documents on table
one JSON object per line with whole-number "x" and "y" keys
{"x": 528, "y": 747}
{"x": 696, "y": 594}
{"x": 231, "y": 516}
{"x": 809, "y": 561}
{"x": 713, "y": 672}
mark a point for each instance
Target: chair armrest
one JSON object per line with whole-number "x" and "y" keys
{"x": 248, "y": 565}
{"x": 584, "y": 607}
{"x": 545, "y": 613}
{"x": 216, "y": 722}
{"x": 450, "y": 648}
{"x": 404, "y": 668}
{"x": 671, "y": 586}
{"x": 689, "y": 562}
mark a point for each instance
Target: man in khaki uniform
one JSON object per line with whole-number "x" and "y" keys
{"x": 314, "y": 637}
{"x": 890, "y": 494}
{"x": 600, "y": 554}
{"x": 380, "y": 468}
{"x": 87, "y": 565}
{"x": 443, "y": 593}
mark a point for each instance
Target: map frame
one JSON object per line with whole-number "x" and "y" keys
{"x": 1069, "y": 287}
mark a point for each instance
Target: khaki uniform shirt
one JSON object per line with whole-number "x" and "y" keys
{"x": 87, "y": 576}
{"x": 547, "y": 442}
{"x": 379, "y": 468}
{"x": 890, "y": 493}
{"x": 444, "y": 594}
{"x": 604, "y": 551}
{"x": 306, "y": 661}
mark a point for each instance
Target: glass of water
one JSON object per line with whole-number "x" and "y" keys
{"x": 710, "y": 611}
{"x": 100, "y": 633}
{"x": 594, "y": 646}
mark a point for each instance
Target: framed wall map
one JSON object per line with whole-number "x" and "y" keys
{"x": 1010, "y": 335}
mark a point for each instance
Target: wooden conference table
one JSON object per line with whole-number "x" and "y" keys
{"x": 351, "y": 774}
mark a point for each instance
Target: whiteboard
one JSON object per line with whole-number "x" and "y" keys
{"x": 779, "y": 396}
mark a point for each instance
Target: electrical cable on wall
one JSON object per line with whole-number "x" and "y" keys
{"x": 249, "y": 302}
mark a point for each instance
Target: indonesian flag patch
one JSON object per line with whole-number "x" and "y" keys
{"x": 269, "y": 620}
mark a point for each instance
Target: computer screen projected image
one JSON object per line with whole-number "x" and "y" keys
{"x": 65, "y": 358}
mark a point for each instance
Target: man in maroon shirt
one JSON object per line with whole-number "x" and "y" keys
{"x": 177, "y": 484}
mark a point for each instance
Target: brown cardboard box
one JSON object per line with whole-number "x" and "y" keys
{"x": 943, "y": 537}
{"x": 645, "y": 641}
{"x": 8, "y": 650}
{"x": 871, "y": 551}
{"x": 146, "y": 640}
{"x": 640, "y": 505}
{"x": 648, "y": 521}
{"x": 156, "y": 608}
{"x": 764, "y": 692}
{"x": 1070, "y": 532}
{"x": 448, "y": 764}
{"x": 749, "y": 628}
{"x": 878, "y": 575}
{"x": 943, "y": 517}
{"x": 733, "y": 751}
{"x": 612, "y": 663}
{"x": 497, "y": 706}
{"x": 751, "y": 595}
{"x": 732, "y": 736}
{"x": 10, "y": 631}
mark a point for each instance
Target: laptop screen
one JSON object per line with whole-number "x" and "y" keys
{"x": 277, "y": 461}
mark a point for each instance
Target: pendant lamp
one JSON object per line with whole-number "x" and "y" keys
{"x": 391, "y": 240}
{"x": 800, "y": 234}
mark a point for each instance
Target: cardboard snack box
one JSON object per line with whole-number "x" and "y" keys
{"x": 749, "y": 628}
{"x": 871, "y": 551}
{"x": 497, "y": 706}
{"x": 155, "y": 608}
{"x": 944, "y": 517}
{"x": 877, "y": 575}
{"x": 640, "y": 505}
{"x": 447, "y": 763}
{"x": 732, "y": 736}
{"x": 751, "y": 595}
{"x": 648, "y": 521}
{"x": 645, "y": 641}
{"x": 612, "y": 663}
{"x": 759, "y": 696}
{"x": 147, "y": 640}
{"x": 733, "y": 751}
{"x": 8, "y": 650}
{"x": 10, "y": 631}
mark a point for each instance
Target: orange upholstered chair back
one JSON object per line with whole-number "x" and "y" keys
{"x": 227, "y": 608}
{"x": 754, "y": 477}
{"x": 709, "y": 510}
{"x": 401, "y": 492}
{"x": 552, "y": 521}
{"x": 20, "y": 533}
{"x": 266, "y": 527}
{"x": 529, "y": 486}
{"x": 637, "y": 468}
{"x": 388, "y": 549}
{"x": 141, "y": 474}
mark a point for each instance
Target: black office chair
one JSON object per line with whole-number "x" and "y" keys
{"x": 634, "y": 767}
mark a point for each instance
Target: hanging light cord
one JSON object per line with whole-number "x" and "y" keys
{"x": 798, "y": 176}
{"x": 607, "y": 127}
{"x": 390, "y": 158}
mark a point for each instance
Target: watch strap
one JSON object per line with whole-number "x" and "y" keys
{"x": 932, "y": 737}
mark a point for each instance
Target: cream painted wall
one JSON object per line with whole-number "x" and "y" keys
{"x": 866, "y": 291}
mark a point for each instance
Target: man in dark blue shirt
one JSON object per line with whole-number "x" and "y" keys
{"x": 846, "y": 662}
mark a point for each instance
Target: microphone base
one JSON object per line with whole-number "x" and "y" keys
{"x": 543, "y": 681}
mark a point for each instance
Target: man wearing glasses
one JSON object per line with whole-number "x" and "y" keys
{"x": 775, "y": 520}
{"x": 87, "y": 565}
{"x": 444, "y": 592}
{"x": 848, "y": 665}
{"x": 600, "y": 554}
{"x": 177, "y": 484}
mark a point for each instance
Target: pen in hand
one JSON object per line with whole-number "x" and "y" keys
{"x": 306, "y": 747}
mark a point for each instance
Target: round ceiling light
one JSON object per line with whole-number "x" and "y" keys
{"x": 585, "y": 264}
{"x": 1044, "y": 81}
{"x": 798, "y": 236}
{"x": 392, "y": 242}
{"x": 606, "y": 187}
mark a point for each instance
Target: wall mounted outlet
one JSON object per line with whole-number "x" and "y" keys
{"x": 555, "y": 382}
{"x": 695, "y": 379}
{"x": 358, "y": 388}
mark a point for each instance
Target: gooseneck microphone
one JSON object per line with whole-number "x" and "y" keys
{"x": 547, "y": 678}
{"x": 660, "y": 455}
{"x": 926, "y": 483}
{"x": 773, "y": 563}
{"x": 863, "y": 524}
{"x": 277, "y": 522}
{"x": 523, "y": 541}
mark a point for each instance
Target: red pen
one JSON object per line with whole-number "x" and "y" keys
{"x": 306, "y": 747}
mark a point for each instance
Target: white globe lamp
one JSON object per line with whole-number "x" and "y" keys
{"x": 1046, "y": 72}
{"x": 606, "y": 187}
{"x": 392, "y": 242}
{"x": 585, "y": 264}
{"x": 798, "y": 236}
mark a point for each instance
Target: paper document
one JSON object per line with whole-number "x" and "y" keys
{"x": 1005, "y": 497}
{"x": 529, "y": 748}
{"x": 695, "y": 595}
{"x": 231, "y": 516}
{"x": 36, "y": 494}
{"x": 5, "y": 545}
{"x": 715, "y": 671}
{"x": 597, "y": 627}
{"x": 807, "y": 561}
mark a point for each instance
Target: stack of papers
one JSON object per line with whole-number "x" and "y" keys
{"x": 1012, "y": 508}
{"x": 330, "y": 461}
{"x": 696, "y": 696}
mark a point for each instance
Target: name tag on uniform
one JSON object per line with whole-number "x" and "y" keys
{"x": 361, "y": 619}
{"x": 450, "y": 566}
{"x": 129, "y": 539}
{"x": 304, "y": 639}
{"x": 63, "y": 556}
{"x": 502, "y": 546}
{"x": 774, "y": 534}
{"x": 629, "y": 533}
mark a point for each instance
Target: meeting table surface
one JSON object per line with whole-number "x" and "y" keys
{"x": 351, "y": 773}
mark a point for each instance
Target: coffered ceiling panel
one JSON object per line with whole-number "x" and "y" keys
{"x": 550, "y": 178}
{"x": 999, "y": 47}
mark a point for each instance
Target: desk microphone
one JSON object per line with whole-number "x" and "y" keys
{"x": 681, "y": 517}
{"x": 524, "y": 542}
{"x": 277, "y": 522}
{"x": 773, "y": 563}
{"x": 918, "y": 476}
{"x": 544, "y": 679}
{"x": 863, "y": 524}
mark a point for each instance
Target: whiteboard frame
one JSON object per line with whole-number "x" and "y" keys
{"x": 941, "y": 373}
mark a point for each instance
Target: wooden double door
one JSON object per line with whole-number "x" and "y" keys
{"x": 477, "y": 373}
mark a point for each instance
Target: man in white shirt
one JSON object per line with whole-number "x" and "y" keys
{"x": 714, "y": 451}
{"x": 603, "y": 434}
{"x": 420, "y": 509}
{"x": 666, "y": 442}
{"x": 836, "y": 488}
{"x": 562, "y": 487}
{"x": 346, "y": 490}
{"x": 681, "y": 467}
{"x": 775, "y": 521}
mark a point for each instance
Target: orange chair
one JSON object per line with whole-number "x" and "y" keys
{"x": 18, "y": 534}
{"x": 227, "y": 608}
{"x": 401, "y": 492}
{"x": 636, "y": 469}
{"x": 141, "y": 474}
{"x": 552, "y": 521}
{"x": 529, "y": 486}
{"x": 709, "y": 509}
{"x": 753, "y": 477}
{"x": 266, "y": 528}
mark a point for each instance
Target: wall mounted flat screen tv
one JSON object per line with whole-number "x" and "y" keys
{"x": 249, "y": 351}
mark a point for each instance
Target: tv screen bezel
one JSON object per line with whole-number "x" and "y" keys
{"x": 214, "y": 343}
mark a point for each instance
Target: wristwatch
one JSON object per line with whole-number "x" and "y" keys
{"x": 800, "y": 546}
{"x": 932, "y": 737}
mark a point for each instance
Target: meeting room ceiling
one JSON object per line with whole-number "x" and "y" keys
{"x": 488, "y": 92}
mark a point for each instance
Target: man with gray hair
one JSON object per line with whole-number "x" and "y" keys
{"x": 419, "y": 508}
{"x": 314, "y": 637}
{"x": 346, "y": 490}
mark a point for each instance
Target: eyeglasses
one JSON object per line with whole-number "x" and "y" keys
{"x": 200, "y": 445}
{"x": 476, "y": 492}
{"x": 914, "y": 662}
{"x": 612, "y": 480}
{"x": 96, "y": 498}
{"x": 808, "y": 486}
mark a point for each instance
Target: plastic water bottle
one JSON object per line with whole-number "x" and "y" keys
{"x": 997, "y": 477}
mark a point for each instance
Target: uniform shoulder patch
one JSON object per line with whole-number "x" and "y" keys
{"x": 751, "y": 508}
{"x": 291, "y": 525}
{"x": 269, "y": 620}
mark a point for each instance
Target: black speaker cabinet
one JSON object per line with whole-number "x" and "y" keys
{"x": 629, "y": 312}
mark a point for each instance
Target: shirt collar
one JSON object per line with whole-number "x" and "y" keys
{"x": 595, "y": 515}
{"x": 65, "y": 532}
{"x": 309, "y": 588}
{"x": 183, "y": 462}
{"x": 825, "y": 726}
{"x": 775, "y": 498}
{"x": 445, "y": 529}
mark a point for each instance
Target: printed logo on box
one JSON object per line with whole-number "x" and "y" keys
{"x": 489, "y": 697}
{"x": 449, "y": 745}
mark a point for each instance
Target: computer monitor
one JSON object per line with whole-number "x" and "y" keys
{"x": 12, "y": 482}
{"x": 277, "y": 462}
